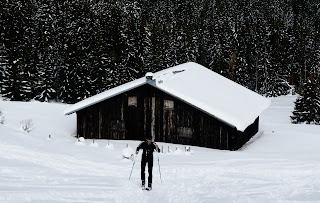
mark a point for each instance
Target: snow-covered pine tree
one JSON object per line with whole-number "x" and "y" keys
{"x": 46, "y": 43}
{"x": 131, "y": 34}
{"x": 243, "y": 46}
{"x": 17, "y": 38}
{"x": 16, "y": 86}
{"x": 184, "y": 35}
{"x": 224, "y": 48}
{"x": 115, "y": 53}
{"x": 275, "y": 85}
{"x": 208, "y": 43}
{"x": 161, "y": 35}
{"x": 66, "y": 73}
{"x": 3, "y": 63}
{"x": 101, "y": 57}
{"x": 5, "y": 21}
{"x": 75, "y": 75}
{"x": 273, "y": 80}
{"x": 67, "y": 77}
{"x": 4, "y": 55}
{"x": 307, "y": 106}
{"x": 145, "y": 30}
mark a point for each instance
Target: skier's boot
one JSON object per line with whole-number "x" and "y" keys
{"x": 142, "y": 183}
{"x": 149, "y": 186}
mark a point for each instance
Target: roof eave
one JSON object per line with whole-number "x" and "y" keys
{"x": 73, "y": 110}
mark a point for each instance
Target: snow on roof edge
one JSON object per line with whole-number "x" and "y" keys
{"x": 105, "y": 95}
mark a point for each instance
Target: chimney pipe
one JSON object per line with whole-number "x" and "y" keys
{"x": 149, "y": 76}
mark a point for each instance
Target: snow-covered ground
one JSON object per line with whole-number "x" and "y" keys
{"x": 281, "y": 164}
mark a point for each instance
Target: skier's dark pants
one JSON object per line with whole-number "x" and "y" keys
{"x": 144, "y": 161}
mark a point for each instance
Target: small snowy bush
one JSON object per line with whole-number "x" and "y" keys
{"x": 1, "y": 118}
{"x": 26, "y": 125}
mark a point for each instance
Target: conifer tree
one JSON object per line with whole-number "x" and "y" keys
{"x": 17, "y": 38}
{"x": 16, "y": 86}
{"x": 274, "y": 85}
{"x": 47, "y": 56}
{"x": 3, "y": 63}
{"x": 307, "y": 106}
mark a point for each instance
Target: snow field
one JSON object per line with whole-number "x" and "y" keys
{"x": 280, "y": 164}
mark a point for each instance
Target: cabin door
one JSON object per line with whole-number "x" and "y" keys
{"x": 133, "y": 120}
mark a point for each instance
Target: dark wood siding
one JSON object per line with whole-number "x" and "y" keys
{"x": 183, "y": 124}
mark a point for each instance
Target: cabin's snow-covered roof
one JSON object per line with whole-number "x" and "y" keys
{"x": 200, "y": 87}
{"x": 105, "y": 95}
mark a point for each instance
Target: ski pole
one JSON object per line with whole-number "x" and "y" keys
{"x": 159, "y": 167}
{"x": 134, "y": 161}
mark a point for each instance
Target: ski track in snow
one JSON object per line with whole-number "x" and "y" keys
{"x": 276, "y": 166}
{"x": 52, "y": 176}
{"x": 58, "y": 179}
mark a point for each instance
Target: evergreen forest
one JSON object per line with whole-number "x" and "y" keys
{"x": 68, "y": 50}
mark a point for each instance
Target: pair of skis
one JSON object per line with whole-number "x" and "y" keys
{"x": 146, "y": 188}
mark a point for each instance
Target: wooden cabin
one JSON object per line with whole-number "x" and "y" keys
{"x": 185, "y": 104}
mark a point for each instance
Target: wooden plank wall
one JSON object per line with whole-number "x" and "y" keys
{"x": 184, "y": 124}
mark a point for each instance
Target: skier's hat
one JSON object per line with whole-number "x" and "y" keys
{"x": 149, "y": 137}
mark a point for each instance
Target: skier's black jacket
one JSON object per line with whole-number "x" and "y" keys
{"x": 147, "y": 149}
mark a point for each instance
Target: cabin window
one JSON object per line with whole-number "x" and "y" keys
{"x": 132, "y": 101}
{"x": 168, "y": 105}
{"x": 184, "y": 132}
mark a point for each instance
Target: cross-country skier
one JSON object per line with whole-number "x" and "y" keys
{"x": 147, "y": 157}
